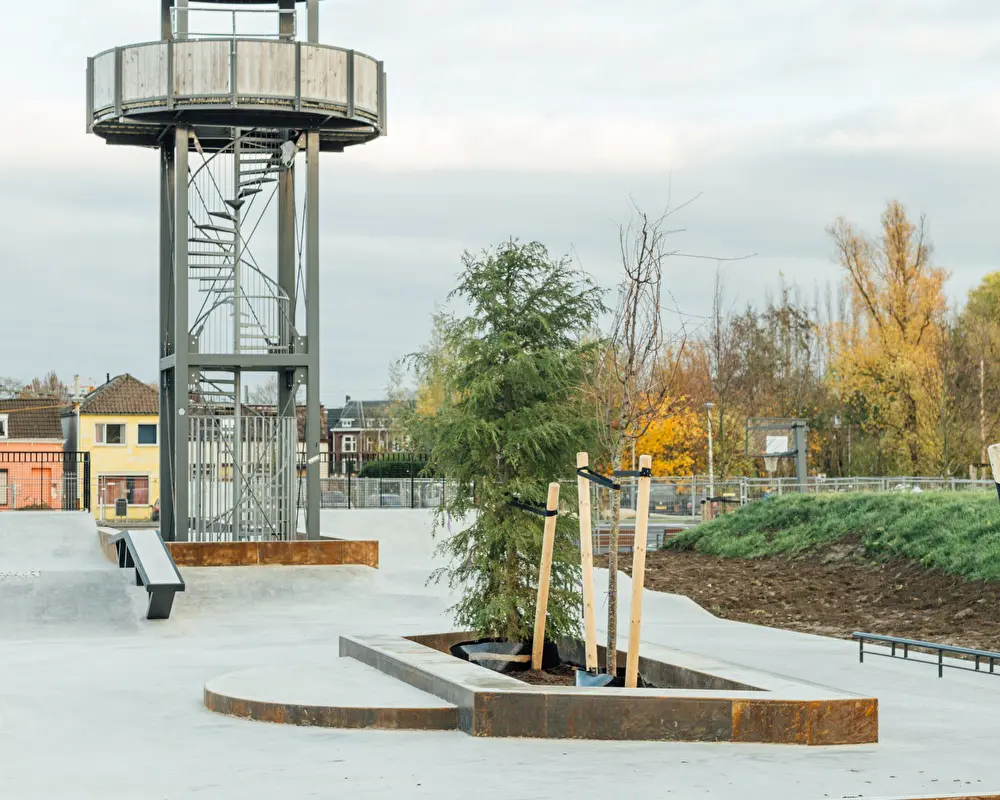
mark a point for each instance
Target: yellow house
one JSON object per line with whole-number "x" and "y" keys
{"x": 118, "y": 424}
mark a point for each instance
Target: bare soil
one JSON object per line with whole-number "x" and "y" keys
{"x": 833, "y": 592}
{"x": 562, "y": 675}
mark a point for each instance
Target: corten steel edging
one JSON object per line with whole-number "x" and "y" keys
{"x": 427, "y": 719}
{"x": 334, "y": 552}
{"x": 941, "y": 797}
{"x": 756, "y": 707}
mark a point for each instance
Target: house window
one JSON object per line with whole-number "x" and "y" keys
{"x": 349, "y": 444}
{"x": 3, "y": 426}
{"x": 134, "y": 488}
{"x": 107, "y": 433}
{"x": 347, "y": 423}
{"x": 147, "y": 434}
{"x": 3, "y": 488}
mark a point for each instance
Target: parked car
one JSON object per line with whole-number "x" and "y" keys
{"x": 390, "y": 501}
{"x": 662, "y": 498}
{"x": 334, "y": 499}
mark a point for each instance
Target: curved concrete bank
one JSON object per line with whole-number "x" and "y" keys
{"x": 343, "y": 694}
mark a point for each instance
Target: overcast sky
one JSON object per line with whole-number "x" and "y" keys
{"x": 529, "y": 119}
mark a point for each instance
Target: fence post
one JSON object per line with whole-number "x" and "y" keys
{"x": 350, "y": 466}
{"x": 86, "y": 481}
{"x": 694, "y": 496}
{"x": 413, "y": 499}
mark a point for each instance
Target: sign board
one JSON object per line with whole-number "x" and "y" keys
{"x": 776, "y": 444}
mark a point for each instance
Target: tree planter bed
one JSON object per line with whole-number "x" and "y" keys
{"x": 710, "y": 701}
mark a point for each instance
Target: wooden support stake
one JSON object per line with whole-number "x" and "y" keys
{"x": 587, "y": 564}
{"x": 544, "y": 574}
{"x": 638, "y": 576}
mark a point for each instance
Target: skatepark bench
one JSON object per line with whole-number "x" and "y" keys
{"x": 895, "y": 642}
{"x": 154, "y": 568}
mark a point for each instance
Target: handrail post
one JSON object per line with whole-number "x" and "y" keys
{"x": 861, "y": 649}
{"x": 940, "y": 662}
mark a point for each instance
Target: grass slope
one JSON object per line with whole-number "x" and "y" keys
{"x": 955, "y": 532}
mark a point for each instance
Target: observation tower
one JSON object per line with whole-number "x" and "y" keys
{"x": 238, "y": 98}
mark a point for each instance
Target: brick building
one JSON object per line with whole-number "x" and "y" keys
{"x": 31, "y": 444}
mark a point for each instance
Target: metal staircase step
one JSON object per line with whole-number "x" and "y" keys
{"x": 208, "y": 240}
{"x": 217, "y": 228}
{"x": 222, "y": 215}
{"x": 257, "y": 182}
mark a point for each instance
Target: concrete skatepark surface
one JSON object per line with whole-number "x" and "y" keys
{"x": 345, "y": 682}
{"x": 95, "y": 702}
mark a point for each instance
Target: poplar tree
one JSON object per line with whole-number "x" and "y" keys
{"x": 511, "y": 418}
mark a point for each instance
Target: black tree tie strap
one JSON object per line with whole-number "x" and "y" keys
{"x": 538, "y": 512}
{"x": 645, "y": 472}
{"x": 600, "y": 480}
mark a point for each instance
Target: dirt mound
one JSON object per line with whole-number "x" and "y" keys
{"x": 833, "y": 592}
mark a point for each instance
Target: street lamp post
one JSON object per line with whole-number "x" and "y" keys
{"x": 711, "y": 472}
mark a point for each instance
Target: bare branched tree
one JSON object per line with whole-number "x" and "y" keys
{"x": 265, "y": 393}
{"x": 636, "y": 366}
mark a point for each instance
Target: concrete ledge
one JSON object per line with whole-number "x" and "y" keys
{"x": 104, "y": 539}
{"x": 328, "y": 552}
{"x": 709, "y": 700}
{"x": 342, "y": 695}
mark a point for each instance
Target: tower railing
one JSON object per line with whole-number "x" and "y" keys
{"x": 224, "y": 23}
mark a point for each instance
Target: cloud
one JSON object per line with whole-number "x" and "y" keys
{"x": 527, "y": 119}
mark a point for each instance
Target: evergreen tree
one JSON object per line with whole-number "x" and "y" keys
{"x": 511, "y": 419}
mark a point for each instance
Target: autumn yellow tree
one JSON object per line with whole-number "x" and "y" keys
{"x": 674, "y": 438}
{"x": 887, "y": 368}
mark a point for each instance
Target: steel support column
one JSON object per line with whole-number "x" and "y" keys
{"x": 183, "y": 23}
{"x": 178, "y": 426}
{"x": 166, "y": 26}
{"x": 287, "y": 379}
{"x": 286, "y": 19}
{"x": 313, "y": 432}
{"x": 799, "y": 431}
{"x": 167, "y": 336}
{"x": 312, "y": 7}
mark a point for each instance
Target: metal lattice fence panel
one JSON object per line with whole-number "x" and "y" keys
{"x": 44, "y": 481}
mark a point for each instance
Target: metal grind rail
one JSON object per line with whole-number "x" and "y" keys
{"x": 979, "y": 657}
{"x": 145, "y": 551}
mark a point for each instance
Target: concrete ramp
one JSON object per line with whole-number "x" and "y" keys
{"x": 50, "y": 541}
{"x": 56, "y": 582}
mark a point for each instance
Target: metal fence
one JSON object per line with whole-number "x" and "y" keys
{"x": 411, "y": 492}
{"x": 676, "y": 503}
{"x": 679, "y": 500}
{"x": 375, "y": 464}
{"x": 44, "y": 481}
